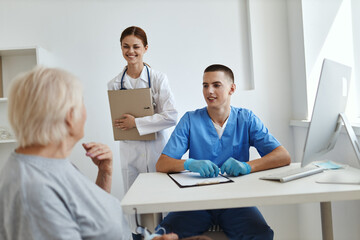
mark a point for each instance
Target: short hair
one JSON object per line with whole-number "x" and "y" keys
{"x": 137, "y": 32}
{"x": 38, "y": 103}
{"x": 221, "y": 68}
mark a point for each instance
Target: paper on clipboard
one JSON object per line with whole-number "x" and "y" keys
{"x": 137, "y": 102}
{"x": 191, "y": 179}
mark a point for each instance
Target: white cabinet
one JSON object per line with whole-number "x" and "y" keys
{"x": 12, "y": 62}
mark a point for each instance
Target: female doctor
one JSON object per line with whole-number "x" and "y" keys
{"x": 141, "y": 156}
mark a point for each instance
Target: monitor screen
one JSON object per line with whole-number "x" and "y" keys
{"x": 330, "y": 101}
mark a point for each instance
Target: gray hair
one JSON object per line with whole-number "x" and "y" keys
{"x": 39, "y": 101}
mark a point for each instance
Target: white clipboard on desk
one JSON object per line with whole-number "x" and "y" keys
{"x": 193, "y": 179}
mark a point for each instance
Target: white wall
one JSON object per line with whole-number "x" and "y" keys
{"x": 184, "y": 37}
{"x": 314, "y": 22}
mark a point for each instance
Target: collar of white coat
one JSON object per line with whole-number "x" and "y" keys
{"x": 143, "y": 75}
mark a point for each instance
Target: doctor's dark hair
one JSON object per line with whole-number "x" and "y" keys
{"x": 221, "y": 68}
{"x": 137, "y": 32}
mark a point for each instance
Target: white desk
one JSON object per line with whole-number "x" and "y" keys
{"x": 156, "y": 192}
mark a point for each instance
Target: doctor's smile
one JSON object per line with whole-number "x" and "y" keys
{"x": 133, "y": 49}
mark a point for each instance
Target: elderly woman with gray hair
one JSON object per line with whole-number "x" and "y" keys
{"x": 43, "y": 195}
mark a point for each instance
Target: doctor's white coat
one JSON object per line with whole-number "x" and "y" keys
{"x": 141, "y": 156}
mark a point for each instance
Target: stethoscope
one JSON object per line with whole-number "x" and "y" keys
{"x": 122, "y": 78}
{"x": 124, "y": 88}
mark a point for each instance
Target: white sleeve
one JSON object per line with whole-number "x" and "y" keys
{"x": 166, "y": 115}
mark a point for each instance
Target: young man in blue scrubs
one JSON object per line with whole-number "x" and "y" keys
{"x": 219, "y": 136}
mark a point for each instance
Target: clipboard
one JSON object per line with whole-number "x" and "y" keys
{"x": 192, "y": 179}
{"x": 137, "y": 102}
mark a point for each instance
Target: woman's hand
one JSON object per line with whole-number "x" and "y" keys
{"x": 126, "y": 122}
{"x": 101, "y": 155}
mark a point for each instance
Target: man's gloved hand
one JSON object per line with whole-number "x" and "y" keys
{"x": 206, "y": 168}
{"x": 235, "y": 168}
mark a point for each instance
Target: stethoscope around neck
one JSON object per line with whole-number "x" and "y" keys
{"x": 122, "y": 78}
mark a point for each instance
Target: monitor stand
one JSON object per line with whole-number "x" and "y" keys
{"x": 348, "y": 175}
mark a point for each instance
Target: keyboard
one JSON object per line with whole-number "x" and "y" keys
{"x": 292, "y": 174}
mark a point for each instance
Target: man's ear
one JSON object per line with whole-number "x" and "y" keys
{"x": 69, "y": 120}
{"x": 232, "y": 88}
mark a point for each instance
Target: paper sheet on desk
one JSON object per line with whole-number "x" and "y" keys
{"x": 191, "y": 179}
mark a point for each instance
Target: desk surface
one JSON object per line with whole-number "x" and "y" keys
{"x": 156, "y": 192}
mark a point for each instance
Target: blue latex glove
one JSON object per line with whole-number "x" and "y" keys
{"x": 235, "y": 168}
{"x": 206, "y": 168}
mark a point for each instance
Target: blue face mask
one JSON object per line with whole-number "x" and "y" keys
{"x": 328, "y": 165}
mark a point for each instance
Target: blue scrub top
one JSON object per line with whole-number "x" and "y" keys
{"x": 196, "y": 132}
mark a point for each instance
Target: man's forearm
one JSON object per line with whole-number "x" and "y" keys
{"x": 167, "y": 164}
{"x": 277, "y": 158}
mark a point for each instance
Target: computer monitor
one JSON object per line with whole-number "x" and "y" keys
{"x": 329, "y": 113}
